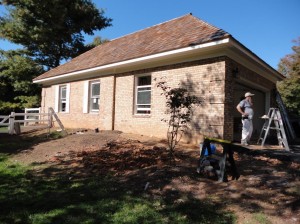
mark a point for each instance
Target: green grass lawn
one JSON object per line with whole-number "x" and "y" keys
{"x": 30, "y": 195}
{"x": 3, "y": 129}
{"x": 26, "y": 197}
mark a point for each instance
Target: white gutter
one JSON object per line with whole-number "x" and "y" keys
{"x": 137, "y": 60}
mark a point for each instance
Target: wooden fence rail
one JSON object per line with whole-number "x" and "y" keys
{"x": 14, "y": 120}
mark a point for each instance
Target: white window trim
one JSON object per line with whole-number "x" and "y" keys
{"x": 87, "y": 96}
{"x": 85, "y": 105}
{"x": 57, "y": 98}
{"x": 91, "y": 97}
{"x": 136, "y": 96}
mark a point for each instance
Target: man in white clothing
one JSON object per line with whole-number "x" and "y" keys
{"x": 245, "y": 108}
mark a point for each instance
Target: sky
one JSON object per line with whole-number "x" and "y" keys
{"x": 266, "y": 27}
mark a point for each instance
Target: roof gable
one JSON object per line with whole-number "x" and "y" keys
{"x": 174, "y": 34}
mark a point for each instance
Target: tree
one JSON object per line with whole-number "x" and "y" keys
{"x": 16, "y": 89}
{"x": 289, "y": 88}
{"x": 179, "y": 105}
{"x": 97, "y": 41}
{"x": 51, "y": 30}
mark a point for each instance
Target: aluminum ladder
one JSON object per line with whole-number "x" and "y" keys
{"x": 273, "y": 121}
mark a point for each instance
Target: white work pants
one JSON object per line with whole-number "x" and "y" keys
{"x": 247, "y": 130}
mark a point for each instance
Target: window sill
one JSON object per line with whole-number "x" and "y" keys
{"x": 142, "y": 115}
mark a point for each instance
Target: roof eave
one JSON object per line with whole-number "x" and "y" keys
{"x": 155, "y": 57}
{"x": 228, "y": 42}
{"x": 248, "y": 53}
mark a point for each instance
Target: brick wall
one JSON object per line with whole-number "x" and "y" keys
{"x": 211, "y": 79}
{"x": 235, "y": 71}
{"x": 76, "y": 118}
{"x": 203, "y": 78}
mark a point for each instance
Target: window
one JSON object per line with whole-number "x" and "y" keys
{"x": 62, "y": 98}
{"x": 94, "y": 96}
{"x": 143, "y": 95}
{"x": 91, "y": 96}
{"x": 62, "y": 95}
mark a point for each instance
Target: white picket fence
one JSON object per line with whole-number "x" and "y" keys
{"x": 31, "y": 118}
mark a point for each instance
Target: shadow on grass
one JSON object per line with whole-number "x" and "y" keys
{"x": 12, "y": 144}
{"x": 30, "y": 196}
{"x": 108, "y": 186}
{"x": 104, "y": 186}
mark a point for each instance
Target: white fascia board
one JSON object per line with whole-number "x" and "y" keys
{"x": 136, "y": 60}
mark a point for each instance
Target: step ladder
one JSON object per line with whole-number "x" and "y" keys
{"x": 273, "y": 121}
{"x": 290, "y": 131}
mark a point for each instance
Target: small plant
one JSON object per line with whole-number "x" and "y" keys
{"x": 261, "y": 218}
{"x": 55, "y": 135}
{"x": 179, "y": 105}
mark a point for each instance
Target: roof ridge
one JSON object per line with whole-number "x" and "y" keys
{"x": 209, "y": 24}
{"x": 189, "y": 14}
{"x": 101, "y": 45}
{"x": 153, "y": 26}
{"x": 183, "y": 31}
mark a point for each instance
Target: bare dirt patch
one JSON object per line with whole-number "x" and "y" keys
{"x": 268, "y": 190}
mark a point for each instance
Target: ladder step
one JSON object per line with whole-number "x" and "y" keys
{"x": 275, "y": 116}
{"x": 273, "y": 128}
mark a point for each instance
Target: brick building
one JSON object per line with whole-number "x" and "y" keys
{"x": 112, "y": 86}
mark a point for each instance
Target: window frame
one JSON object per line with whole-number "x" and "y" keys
{"x": 137, "y": 91}
{"x": 91, "y": 97}
{"x": 62, "y": 100}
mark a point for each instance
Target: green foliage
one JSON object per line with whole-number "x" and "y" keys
{"x": 97, "y": 41}
{"x": 290, "y": 92}
{"x": 56, "y": 135}
{"x": 290, "y": 64}
{"x": 179, "y": 105}
{"x": 16, "y": 73}
{"x": 260, "y": 218}
{"x": 289, "y": 88}
{"x": 51, "y": 30}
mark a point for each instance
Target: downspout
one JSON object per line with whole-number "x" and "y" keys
{"x": 114, "y": 105}
{"x": 43, "y": 99}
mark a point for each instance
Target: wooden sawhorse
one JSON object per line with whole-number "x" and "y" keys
{"x": 226, "y": 155}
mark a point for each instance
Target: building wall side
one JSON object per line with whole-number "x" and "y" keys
{"x": 211, "y": 79}
{"x": 234, "y": 73}
{"x": 76, "y": 118}
{"x": 205, "y": 79}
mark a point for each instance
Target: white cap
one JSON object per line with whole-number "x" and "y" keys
{"x": 249, "y": 94}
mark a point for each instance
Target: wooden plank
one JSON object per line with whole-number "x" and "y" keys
{"x": 5, "y": 118}
{"x": 28, "y": 121}
{"x": 17, "y": 128}
{"x": 32, "y": 114}
{"x": 58, "y": 120}
{"x": 11, "y": 123}
{"x": 218, "y": 140}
